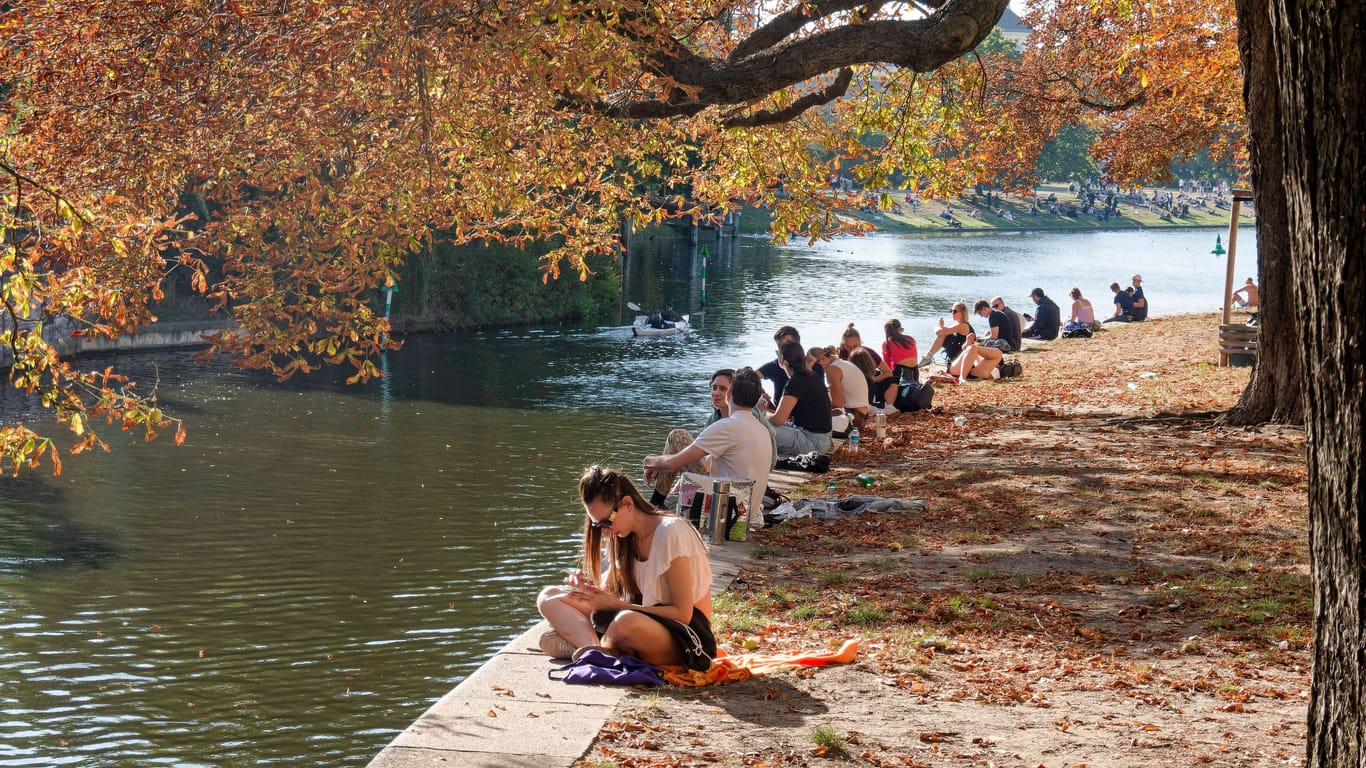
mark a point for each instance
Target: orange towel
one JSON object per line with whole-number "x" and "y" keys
{"x": 731, "y": 669}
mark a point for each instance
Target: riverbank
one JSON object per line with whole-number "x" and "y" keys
{"x": 1103, "y": 576}
{"x": 890, "y": 212}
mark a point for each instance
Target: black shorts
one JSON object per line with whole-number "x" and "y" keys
{"x": 694, "y": 638}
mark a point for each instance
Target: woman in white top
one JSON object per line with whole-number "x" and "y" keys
{"x": 652, "y": 601}
{"x": 1083, "y": 314}
{"x": 848, "y": 389}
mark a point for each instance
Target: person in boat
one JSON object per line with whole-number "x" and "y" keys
{"x": 651, "y": 599}
{"x": 670, "y": 316}
{"x": 805, "y": 401}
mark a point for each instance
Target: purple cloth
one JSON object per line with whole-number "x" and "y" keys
{"x": 595, "y": 667}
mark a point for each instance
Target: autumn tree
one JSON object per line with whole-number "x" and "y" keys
{"x": 1155, "y": 81}
{"x": 329, "y": 140}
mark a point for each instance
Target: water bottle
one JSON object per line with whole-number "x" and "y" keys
{"x": 830, "y": 507}
{"x": 853, "y": 440}
{"x": 881, "y": 424}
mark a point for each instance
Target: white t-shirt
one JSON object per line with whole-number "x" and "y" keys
{"x": 855, "y": 386}
{"x": 740, "y": 448}
{"x": 674, "y": 538}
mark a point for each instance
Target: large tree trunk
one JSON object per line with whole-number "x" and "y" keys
{"x": 1319, "y": 55}
{"x": 1274, "y": 393}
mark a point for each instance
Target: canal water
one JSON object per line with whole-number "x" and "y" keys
{"x": 318, "y": 563}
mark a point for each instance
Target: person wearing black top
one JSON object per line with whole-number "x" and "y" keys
{"x": 1124, "y": 306}
{"x": 1047, "y": 317}
{"x": 805, "y": 401}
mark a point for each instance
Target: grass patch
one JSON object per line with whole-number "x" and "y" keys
{"x": 830, "y": 740}
{"x": 865, "y": 615}
{"x": 738, "y": 615}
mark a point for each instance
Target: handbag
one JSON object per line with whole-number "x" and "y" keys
{"x": 595, "y": 667}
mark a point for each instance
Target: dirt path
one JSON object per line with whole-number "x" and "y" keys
{"x": 1090, "y": 584}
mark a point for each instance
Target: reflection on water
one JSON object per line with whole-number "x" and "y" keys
{"x": 318, "y": 563}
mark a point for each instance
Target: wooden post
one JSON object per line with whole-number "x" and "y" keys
{"x": 1239, "y": 195}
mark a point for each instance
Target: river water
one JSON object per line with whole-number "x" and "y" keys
{"x": 319, "y": 563}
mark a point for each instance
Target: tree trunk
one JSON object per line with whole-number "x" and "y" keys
{"x": 1319, "y": 63}
{"x": 1273, "y": 393}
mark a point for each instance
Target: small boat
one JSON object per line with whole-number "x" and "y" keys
{"x": 641, "y": 327}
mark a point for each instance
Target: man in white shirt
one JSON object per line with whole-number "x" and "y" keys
{"x": 737, "y": 447}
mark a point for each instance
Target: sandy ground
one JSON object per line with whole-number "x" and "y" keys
{"x": 1103, "y": 576}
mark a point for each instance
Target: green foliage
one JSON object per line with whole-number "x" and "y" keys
{"x": 474, "y": 286}
{"x": 1068, "y": 156}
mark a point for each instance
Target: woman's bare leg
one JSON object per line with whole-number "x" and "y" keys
{"x": 565, "y": 617}
{"x": 987, "y": 360}
{"x": 636, "y": 634}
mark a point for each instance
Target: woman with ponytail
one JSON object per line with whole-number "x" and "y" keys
{"x": 652, "y": 598}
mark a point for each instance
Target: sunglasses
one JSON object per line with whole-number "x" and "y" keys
{"x": 606, "y": 522}
{"x": 995, "y": 306}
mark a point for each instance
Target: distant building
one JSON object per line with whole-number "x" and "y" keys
{"x": 1012, "y": 28}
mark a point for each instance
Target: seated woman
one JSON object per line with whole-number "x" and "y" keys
{"x": 951, "y": 336}
{"x": 1083, "y": 314}
{"x": 862, "y": 358}
{"x": 845, "y": 385}
{"x": 898, "y": 351}
{"x": 653, "y": 600}
{"x": 805, "y": 401}
{"x": 977, "y": 361}
{"x": 850, "y": 340}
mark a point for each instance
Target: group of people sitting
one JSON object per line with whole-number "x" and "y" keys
{"x": 652, "y": 597}
{"x": 1130, "y": 305}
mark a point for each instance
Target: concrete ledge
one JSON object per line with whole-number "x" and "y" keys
{"x": 509, "y": 714}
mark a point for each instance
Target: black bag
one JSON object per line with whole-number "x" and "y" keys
{"x": 1077, "y": 333}
{"x": 1010, "y": 368}
{"x": 914, "y": 396}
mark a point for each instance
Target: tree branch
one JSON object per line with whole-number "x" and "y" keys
{"x": 790, "y": 112}
{"x": 772, "y": 64}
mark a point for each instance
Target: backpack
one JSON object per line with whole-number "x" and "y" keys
{"x": 913, "y": 396}
{"x": 1084, "y": 332}
{"x": 1010, "y": 368}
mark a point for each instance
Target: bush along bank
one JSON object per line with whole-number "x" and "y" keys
{"x": 464, "y": 287}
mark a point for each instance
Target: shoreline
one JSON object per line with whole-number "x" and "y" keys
{"x": 1074, "y": 603}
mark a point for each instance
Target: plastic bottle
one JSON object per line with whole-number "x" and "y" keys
{"x": 830, "y": 504}
{"x": 881, "y": 424}
{"x": 853, "y": 440}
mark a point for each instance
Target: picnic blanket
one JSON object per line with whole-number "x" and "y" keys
{"x": 849, "y": 505}
{"x": 732, "y": 669}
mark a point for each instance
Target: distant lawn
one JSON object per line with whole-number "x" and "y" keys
{"x": 756, "y": 220}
